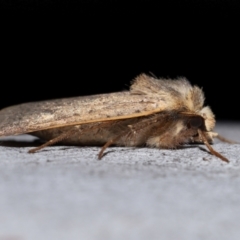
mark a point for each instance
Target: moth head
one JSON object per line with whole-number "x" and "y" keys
{"x": 198, "y": 122}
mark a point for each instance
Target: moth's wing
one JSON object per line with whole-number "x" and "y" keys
{"x": 35, "y": 116}
{"x": 147, "y": 96}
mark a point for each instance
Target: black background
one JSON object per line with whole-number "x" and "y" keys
{"x": 55, "y": 49}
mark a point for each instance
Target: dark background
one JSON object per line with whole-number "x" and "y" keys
{"x": 54, "y": 49}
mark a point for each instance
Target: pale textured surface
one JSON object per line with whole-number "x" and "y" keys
{"x": 66, "y": 193}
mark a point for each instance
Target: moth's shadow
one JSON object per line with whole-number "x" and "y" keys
{"x": 20, "y": 143}
{"x": 37, "y": 142}
{"x": 108, "y": 151}
{"x": 204, "y": 149}
{"x": 195, "y": 146}
{"x": 28, "y": 143}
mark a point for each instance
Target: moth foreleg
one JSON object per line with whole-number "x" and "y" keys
{"x": 210, "y": 148}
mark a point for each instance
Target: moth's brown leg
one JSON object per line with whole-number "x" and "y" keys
{"x": 108, "y": 144}
{"x": 70, "y": 133}
{"x": 213, "y": 152}
{"x": 132, "y": 128}
{"x": 54, "y": 140}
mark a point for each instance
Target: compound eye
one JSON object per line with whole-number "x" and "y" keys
{"x": 196, "y": 122}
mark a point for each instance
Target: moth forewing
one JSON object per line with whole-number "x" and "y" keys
{"x": 155, "y": 112}
{"x": 35, "y": 116}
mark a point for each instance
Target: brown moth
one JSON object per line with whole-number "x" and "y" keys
{"x": 159, "y": 113}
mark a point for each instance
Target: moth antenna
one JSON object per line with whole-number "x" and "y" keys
{"x": 223, "y": 139}
{"x": 152, "y": 74}
{"x": 212, "y": 151}
{"x": 54, "y": 140}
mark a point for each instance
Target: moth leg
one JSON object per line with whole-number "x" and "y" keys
{"x": 212, "y": 151}
{"x": 70, "y": 133}
{"x": 108, "y": 144}
{"x": 54, "y": 140}
{"x": 132, "y": 128}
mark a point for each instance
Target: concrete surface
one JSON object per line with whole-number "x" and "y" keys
{"x": 64, "y": 192}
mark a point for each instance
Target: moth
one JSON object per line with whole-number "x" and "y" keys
{"x": 158, "y": 113}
